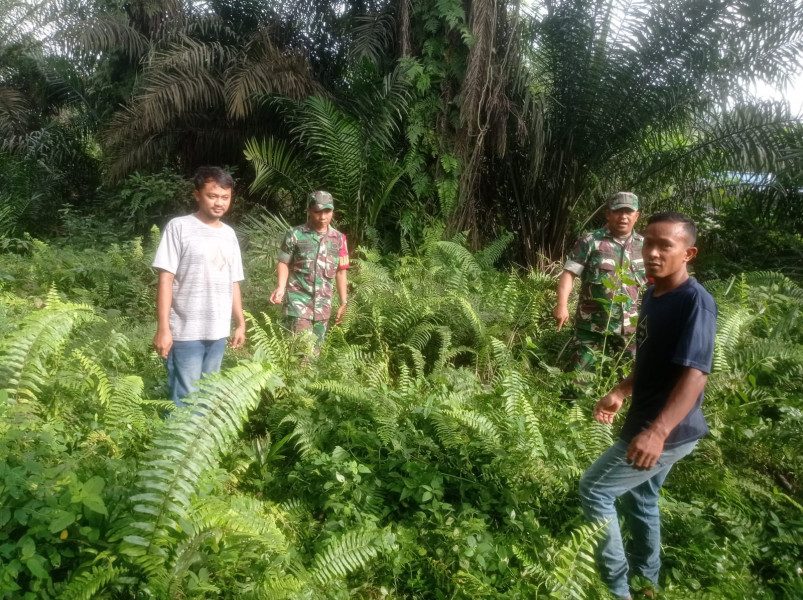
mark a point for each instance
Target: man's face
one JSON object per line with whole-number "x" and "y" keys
{"x": 666, "y": 249}
{"x": 319, "y": 219}
{"x": 213, "y": 201}
{"x": 621, "y": 221}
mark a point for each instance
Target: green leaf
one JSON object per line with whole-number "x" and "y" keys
{"x": 28, "y": 548}
{"x": 61, "y": 520}
{"x": 94, "y": 486}
{"x": 36, "y": 565}
{"x": 95, "y": 503}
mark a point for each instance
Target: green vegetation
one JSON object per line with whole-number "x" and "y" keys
{"x": 428, "y": 452}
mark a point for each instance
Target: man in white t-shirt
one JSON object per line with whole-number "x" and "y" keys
{"x": 200, "y": 269}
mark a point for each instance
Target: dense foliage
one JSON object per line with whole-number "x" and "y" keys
{"x": 490, "y": 116}
{"x": 426, "y": 454}
{"x": 430, "y": 452}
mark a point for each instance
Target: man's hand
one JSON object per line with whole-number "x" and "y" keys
{"x": 340, "y": 312}
{"x": 561, "y": 314}
{"x": 162, "y": 342}
{"x": 277, "y": 295}
{"x": 645, "y": 450}
{"x": 607, "y": 407}
{"x": 238, "y": 337}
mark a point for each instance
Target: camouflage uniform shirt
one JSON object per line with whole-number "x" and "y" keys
{"x": 595, "y": 259}
{"x": 313, "y": 259}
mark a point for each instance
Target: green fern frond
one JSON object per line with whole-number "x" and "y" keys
{"x": 354, "y": 392}
{"x": 277, "y": 168}
{"x": 461, "y": 257}
{"x": 270, "y": 345}
{"x": 406, "y": 318}
{"x": 730, "y": 327}
{"x": 470, "y": 316}
{"x": 444, "y": 348}
{"x": 573, "y": 567}
{"x": 41, "y": 336}
{"x": 509, "y": 298}
{"x": 376, "y": 372}
{"x": 350, "y": 552}
{"x": 419, "y": 364}
{"x": 449, "y": 433}
{"x": 520, "y": 412}
{"x": 189, "y": 444}
{"x": 500, "y": 354}
{"x": 532, "y": 566}
{"x": 373, "y": 279}
{"x": 243, "y": 520}
{"x": 419, "y": 337}
{"x": 307, "y": 430}
{"x": 490, "y": 254}
{"x": 764, "y": 353}
{"x": 125, "y": 403}
{"x": 93, "y": 377}
{"x": 483, "y": 428}
{"x": 278, "y": 587}
{"x": 88, "y": 584}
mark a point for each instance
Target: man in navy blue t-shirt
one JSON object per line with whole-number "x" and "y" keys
{"x": 674, "y": 352}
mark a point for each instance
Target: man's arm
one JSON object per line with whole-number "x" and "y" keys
{"x": 163, "y": 340}
{"x": 282, "y": 273}
{"x": 645, "y": 449}
{"x": 341, "y": 278}
{"x": 238, "y": 338}
{"x": 607, "y": 407}
{"x": 565, "y": 284}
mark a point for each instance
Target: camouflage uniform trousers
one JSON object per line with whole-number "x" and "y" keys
{"x": 590, "y": 344}
{"x": 298, "y": 325}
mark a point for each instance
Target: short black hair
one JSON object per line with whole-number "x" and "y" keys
{"x": 670, "y": 216}
{"x": 216, "y": 174}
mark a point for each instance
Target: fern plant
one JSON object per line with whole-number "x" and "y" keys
{"x": 26, "y": 353}
{"x": 189, "y": 443}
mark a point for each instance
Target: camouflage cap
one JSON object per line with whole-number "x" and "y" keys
{"x": 623, "y": 200}
{"x": 320, "y": 200}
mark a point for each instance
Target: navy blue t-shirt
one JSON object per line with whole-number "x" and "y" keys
{"x": 675, "y": 330}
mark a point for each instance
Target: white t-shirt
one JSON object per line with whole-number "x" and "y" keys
{"x": 206, "y": 262}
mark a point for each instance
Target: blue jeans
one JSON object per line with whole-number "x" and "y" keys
{"x": 187, "y": 362}
{"x": 609, "y": 478}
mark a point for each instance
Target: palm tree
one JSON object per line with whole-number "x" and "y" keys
{"x": 46, "y": 118}
{"x": 203, "y": 74}
{"x": 649, "y": 96}
{"x": 347, "y": 152}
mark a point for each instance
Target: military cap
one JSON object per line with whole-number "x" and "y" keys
{"x": 623, "y": 200}
{"x": 320, "y": 200}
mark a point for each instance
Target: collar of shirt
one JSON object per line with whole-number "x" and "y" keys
{"x": 307, "y": 229}
{"x": 625, "y": 242}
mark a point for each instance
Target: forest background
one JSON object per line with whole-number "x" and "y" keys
{"x": 428, "y": 453}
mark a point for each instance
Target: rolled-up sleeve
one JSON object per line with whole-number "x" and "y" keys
{"x": 578, "y": 257}
{"x": 288, "y": 248}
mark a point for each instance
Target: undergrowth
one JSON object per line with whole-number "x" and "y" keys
{"x": 427, "y": 453}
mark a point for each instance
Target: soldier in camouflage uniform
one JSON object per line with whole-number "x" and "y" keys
{"x": 313, "y": 257}
{"x": 611, "y": 269}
